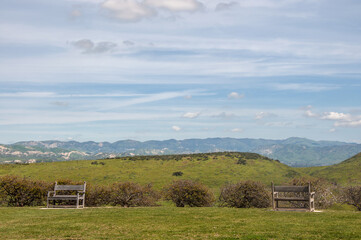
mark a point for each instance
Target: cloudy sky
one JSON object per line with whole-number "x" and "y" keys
{"x": 107, "y": 70}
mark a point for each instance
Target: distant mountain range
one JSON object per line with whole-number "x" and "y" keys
{"x": 300, "y": 152}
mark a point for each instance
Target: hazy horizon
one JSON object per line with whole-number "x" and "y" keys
{"x": 169, "y": 139}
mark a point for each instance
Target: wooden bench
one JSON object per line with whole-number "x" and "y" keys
{"x": 68, "y": 193}
{"x": 305, "y": 196}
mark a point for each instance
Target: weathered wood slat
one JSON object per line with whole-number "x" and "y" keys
{"x": 291, "y": 189}
{"x": 65, "y": 197}
{"x": 291, "y": 209}
{"x": 291, "y": 199}
{"x": 69, "y": 188}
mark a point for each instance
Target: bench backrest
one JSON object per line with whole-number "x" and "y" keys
{"x": 69, "y": 187}
{"x": 291, "y": 188}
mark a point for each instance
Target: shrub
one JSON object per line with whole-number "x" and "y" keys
{"x": 96, "y": 163}
{"x": 132, "y": 195}
{"x": 242, "y": 161}
{"x": 326, "y": 194}
{"x": 97, "y": 195}
{"x": 352, "y": 196}
{"x": 20, "y": 192}
{"x": 245, "y": 194}
{"x": 187, "y": 192}
{"x": 177, "y": 174}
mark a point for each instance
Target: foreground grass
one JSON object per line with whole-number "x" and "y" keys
{"x": 176, "y": 223}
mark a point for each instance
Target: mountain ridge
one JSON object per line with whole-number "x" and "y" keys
{"x": 300, "y": 152}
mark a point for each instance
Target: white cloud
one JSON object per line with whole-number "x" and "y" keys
{"x": 356, "y": 123}
{"x": 28, "y": 94}
{"x": 224, "y": 115}
{"x": 128, "y": 10}
{"x": 175, "y": 5}
{"x": 60, "y": 104}
{"x": 128, "y": 43}
{"x": 226, "y": 6}
{"x": 341, "y": 119}
{"x": 146, "y": 99}
{"x": 260, "y": 3}
{"x": 305, "y": 87}
{"x": 336, "y": 116}
{"x": 51, "y": 117}
{"x": 262, "y": 115}
{"x": 191, "y": 115}
{"x": 237, "y": 130}
{"x": 88, "y": 46}
{"x": 55, "y": 95}
{"x": 176, "y": 128}
{"x": 235, "y": 95}
{"x": 75, "y": 13}
{"x": 132, "y": 10}
{"x": 332, "y": 130}
{"x": 308, "y": 112}
{"x": 279, "y": 124}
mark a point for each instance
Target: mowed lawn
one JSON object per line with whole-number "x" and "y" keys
{"x": 168, "y": 222}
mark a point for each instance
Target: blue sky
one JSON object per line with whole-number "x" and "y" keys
{"x": 107, "y": 70}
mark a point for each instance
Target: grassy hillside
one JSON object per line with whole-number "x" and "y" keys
{"x": 346, "y": 172}
{"x": 213, "y": 169}
{"x": 176, "y": 223}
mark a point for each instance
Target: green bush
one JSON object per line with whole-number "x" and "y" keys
{"x": 20, "y": 192}
{"x": 242, "y": 161}
{"x": 245, "y": 194}
{"x": 187, "y": 192}
{"x": 129, "y": 194}
{"x": 352, "y": 196}
{"x": 177, "y": 174}
{"x": 97, "y": 195}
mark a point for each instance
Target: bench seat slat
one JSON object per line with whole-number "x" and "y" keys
{"x": 290, "y": 199}
{"x": 291, "y": 189}
{"x": 69, "y": 188}
{"x": 65, "y": 197}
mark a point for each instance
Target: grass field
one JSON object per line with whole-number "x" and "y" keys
{"x": 214, "y": 170}
{"x": 168, "y": 222}
{"x": 347, "y": 172}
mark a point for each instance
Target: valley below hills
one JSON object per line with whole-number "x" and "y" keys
{"x": 295, "y": 152}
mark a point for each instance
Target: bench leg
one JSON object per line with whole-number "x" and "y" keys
{"x": 47, "y": 203}
{"x": 312, "y": 205}
{"x": 77, "y": 203}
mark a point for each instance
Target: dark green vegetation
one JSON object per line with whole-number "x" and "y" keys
{"x": 213, "y": 169}
{"x": 245, "y": 194}
{"x": 188, "y": 193}
{"x": 176, "y": 223}
{"x": 292, "y": 151}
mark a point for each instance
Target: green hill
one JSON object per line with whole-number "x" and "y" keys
{"x": 213, "y": 169}
{"x": 346, "y": 172}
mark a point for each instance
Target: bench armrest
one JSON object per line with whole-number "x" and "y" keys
{"x": 49, "y": 192}
{"x": 312, "y": 194}
{"x": 81, "y": 193}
